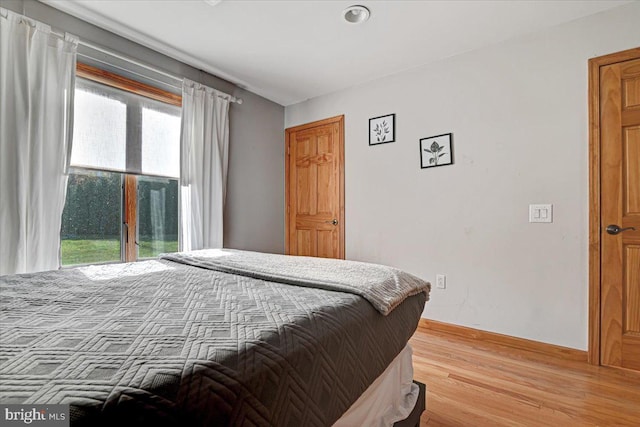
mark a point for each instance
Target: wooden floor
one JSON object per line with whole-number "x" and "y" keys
{"x": 472, "y": 383}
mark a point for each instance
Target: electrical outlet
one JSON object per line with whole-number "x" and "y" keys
{"x": 441, "y": 281}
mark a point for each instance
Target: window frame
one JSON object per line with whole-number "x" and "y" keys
{"x": 117, "y": 81}
{"x": 129, "y": 229}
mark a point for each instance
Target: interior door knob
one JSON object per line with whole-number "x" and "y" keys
{"x": 615, "y": 229}
{"x": 334, "y": 222}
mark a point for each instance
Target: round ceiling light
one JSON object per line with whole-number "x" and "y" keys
{"x": 356, "y": 14}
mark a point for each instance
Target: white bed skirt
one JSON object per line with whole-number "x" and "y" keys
{"x": 390, "y": 398}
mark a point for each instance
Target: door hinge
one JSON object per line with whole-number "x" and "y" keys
{"x": 288, "y": 150}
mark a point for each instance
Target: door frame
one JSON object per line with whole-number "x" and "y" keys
{"x": 595, "y": 275}
{"x": 337, "y": 119}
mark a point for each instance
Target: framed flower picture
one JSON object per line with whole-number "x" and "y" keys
{"x": 382, "y": 129}
{"x": 436, "y": 151}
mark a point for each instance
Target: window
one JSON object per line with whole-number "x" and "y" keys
{"x": 92, "y": 218}
{"x": 157, "y": 216}
{"x": 122, "y": 195}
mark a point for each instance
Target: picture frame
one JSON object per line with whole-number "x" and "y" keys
{"x": 382, "y": 129}
{"x": 436, "y": 151}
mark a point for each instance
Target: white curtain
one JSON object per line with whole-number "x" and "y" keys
{"x": 37, "y": 73}
{"x": 204, "y": 160}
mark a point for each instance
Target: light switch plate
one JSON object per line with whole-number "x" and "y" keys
{"x": 441, "y": 281}
{"x": 541, "y": 213}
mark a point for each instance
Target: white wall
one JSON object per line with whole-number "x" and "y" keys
{"x": 518, "y": 113}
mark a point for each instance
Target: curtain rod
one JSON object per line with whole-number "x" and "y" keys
{"x": 149, "y": 67}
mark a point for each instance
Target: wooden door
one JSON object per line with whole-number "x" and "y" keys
{"x": 315, "y": 189}
{"x": 620, "y": 213}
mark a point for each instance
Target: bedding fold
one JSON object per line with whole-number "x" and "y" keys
{"x": 384, "y": 287}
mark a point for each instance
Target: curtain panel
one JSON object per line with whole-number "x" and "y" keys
{"x": 37, "y": 73}
{"x": 204, "y": 162}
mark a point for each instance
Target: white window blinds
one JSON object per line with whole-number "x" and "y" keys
{"x": 120, "y": 131}
{"x": 99, "y": 129}
{"x": 160, "y": 142}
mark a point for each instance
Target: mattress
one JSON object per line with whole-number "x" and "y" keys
{"x": 165, "y": 342}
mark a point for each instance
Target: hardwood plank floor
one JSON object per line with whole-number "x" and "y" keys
{"x": 473, "y": 383}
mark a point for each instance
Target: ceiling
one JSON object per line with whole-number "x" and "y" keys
{"x": 290, "y": 51}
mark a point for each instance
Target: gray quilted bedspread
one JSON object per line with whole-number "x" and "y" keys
{"x": 163, "y": 343}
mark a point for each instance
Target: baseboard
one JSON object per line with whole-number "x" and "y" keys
{"x": 506, "y": 340}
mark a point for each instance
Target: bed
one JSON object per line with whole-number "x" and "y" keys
{"x": 214, "y": 337}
